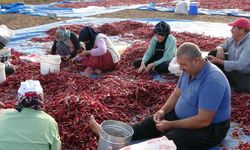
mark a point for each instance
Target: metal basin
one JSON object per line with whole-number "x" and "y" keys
{"x": 115, "y": 134}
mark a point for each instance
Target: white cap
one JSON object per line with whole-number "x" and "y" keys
{"x": 30, "y": 86}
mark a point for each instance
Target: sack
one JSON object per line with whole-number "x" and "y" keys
{"x": 153, "y": 144}
{"x": 182, "y": 8}
{"x": 5, "y": 34}
{"x": 174, "y": 67}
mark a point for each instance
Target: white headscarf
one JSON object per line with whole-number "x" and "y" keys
{"x": 30, "y": 95}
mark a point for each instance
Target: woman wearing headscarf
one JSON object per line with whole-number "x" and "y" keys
{"x": 161, "y": 50}
{"x": 28, "y": 127}
{"x": 66, "y": 44}
{"x": 100, "y": 53}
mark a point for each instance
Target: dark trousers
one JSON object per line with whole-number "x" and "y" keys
{"x": 184, "y": 139}
{"x": 239, "y": 81}
{"x": 9, "y": 70}
{"x": 161, "y": 68}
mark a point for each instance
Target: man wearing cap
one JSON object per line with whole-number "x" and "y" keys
{"x": 27, "y": 127}
{"x": 160, "y": 52}
{"x": 236, "y": 63}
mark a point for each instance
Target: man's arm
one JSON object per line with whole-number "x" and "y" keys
{"x": 219, "y": 59}
{"x": 171, "y": 101}
{"x": 202, "y": 119}
{"x": 168, "y": 106}
{"x": 220, "y": 52}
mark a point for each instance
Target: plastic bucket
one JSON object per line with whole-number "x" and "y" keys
{"x": 152, "y": 5}
{"x": 2, "y": 73}
{"x": 193, "y": 8}
{"x": 50, "y": 64}
{"x": 115, "y": 134}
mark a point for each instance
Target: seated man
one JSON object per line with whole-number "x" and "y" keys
{"x": 28, "y": 127}
{"x": 196, "y": 115}
{"x": 236, "y": 65}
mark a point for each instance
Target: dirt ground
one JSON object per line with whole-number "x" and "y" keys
{"x": 18, "y": 21}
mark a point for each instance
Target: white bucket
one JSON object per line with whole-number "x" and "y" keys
{"x": 49, "y": 64}
{"x": 2, "y": 73}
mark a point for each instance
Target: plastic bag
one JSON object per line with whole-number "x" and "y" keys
{"x": 182, "y": 7}
{"x": 5, "y": 34}
{"x": 174, "y": 67}
{"x": 153, "y": 144}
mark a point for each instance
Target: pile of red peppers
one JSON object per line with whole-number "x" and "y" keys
{"x": 121, "y": 94}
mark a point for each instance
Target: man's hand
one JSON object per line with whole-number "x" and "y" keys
{"x": 142, "y": 67}
{"x": 163, "y": 125}
{"x": 159, "y": 115}
{"x": 220, "y": 53}
{"x": 215, "y": 60}
{"x": 150, "y": 67}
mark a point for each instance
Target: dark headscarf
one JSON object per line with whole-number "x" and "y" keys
{"x": 162, "y": 28}
{"x": 88, "y": 34}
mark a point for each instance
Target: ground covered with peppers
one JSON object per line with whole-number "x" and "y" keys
{"x": 121, "y": 94}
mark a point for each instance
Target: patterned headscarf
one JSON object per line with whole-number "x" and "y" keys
{"x": 162, "y": 28}
{"x": 30, "y": 95}
{"x": 62, "y": 34}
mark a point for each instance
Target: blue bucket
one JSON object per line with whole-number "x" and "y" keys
{"x": 193, "y": 8}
